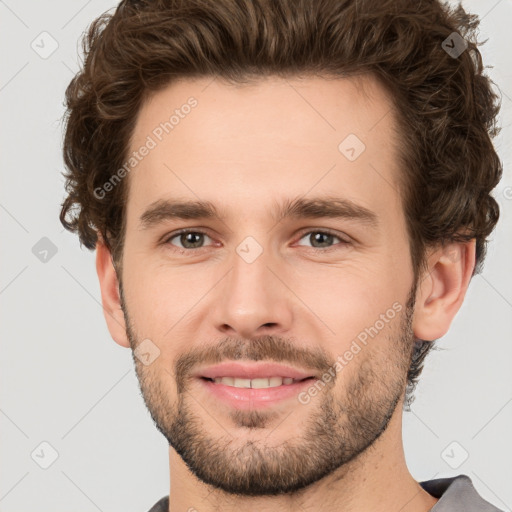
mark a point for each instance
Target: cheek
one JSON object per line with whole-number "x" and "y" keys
{"x": 162, "y": 303}
{"x": 362, "y": 312}
{"x": 351, "y": 295}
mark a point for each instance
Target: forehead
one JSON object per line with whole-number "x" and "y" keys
{"x": 248, "y": 144}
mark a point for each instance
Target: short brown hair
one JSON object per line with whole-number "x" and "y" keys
{"x": 444, "y": 104}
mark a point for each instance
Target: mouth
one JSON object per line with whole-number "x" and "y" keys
{"x": 253, "y": 385}
{"x": 257, "y": 383}
{"x": 257, "y": 372}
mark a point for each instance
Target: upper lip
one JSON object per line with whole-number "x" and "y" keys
{"x": 253, "y": 371}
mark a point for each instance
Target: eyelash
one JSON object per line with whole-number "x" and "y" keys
{"x": 180, "y": 250}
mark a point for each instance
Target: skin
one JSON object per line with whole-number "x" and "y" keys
{"x": 246, "y": 149}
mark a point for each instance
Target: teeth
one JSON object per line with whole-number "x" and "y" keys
{"x": 264, "y": 383}
{"x": 260, "y": 383}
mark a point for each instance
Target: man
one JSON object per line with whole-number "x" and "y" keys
{"x": 288, "y": 200}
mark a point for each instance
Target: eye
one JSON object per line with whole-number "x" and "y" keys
{"x": 188, "y": 239}
{"x": 322, "y": 239}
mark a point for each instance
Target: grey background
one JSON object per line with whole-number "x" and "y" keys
{"x": 65, "y": 382}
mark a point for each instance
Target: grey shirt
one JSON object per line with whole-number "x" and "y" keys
{"x": 456, "y": 494}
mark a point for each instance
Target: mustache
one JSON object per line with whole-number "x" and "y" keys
{"x": 262, "y": 348}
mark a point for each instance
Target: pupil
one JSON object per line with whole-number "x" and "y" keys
{"x": 188, "y": 238}
{"x": 317, "y": 235}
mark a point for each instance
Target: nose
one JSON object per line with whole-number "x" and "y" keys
{"x": 253, "y": 299}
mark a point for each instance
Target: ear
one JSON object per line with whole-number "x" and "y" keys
{"x": 109, "y": 285}
{"x": 442, "y": 289}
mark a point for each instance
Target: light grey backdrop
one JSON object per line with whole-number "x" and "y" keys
{"x": 66, "y": 384}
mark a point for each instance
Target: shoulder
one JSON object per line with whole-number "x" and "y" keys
{"x": 161, "y": 505}
{"x": 457, "y": 493}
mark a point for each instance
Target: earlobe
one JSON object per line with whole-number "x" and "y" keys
{"x": 109, "y": 286}
{"x": 442, "y": 289}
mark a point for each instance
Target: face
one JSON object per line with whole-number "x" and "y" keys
{"x": 294, "y": 274}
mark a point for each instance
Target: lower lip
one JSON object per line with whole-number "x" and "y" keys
{"x": 249, "y": 398}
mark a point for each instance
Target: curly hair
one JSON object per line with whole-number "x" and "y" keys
{"x": 444, "y": 104}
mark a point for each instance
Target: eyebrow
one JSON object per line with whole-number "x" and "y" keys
{"x": 298, "y": 208}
